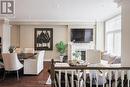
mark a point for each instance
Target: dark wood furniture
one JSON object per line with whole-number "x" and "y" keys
{"x": 26, "y": 55}
{"x": 22, "y": 56}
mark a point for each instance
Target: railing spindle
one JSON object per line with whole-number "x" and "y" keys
{"x": 97, "y": 78}
{"x": 59, "y": 78}
{"x": 128, "y": 76}
{"x": 103, "y": 74}
{"x": 78, "y": 75}
{"x": 84, "y": 76}
{"x": 72, "y": 78}
{"x": 116, "y": 78}
{"x": 90, "y": 76}
{"x": 122, "y": 78}
{"x": 66, "y": 81}
{"x": 110, "y": 72}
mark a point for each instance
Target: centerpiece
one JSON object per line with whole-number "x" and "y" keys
{"x": 12, "y": 49}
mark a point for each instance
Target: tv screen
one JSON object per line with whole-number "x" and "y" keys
{"x": 81, "y": 35}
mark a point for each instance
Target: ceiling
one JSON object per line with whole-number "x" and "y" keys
{"x": 65, "y": 10}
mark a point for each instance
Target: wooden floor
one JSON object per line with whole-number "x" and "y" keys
{"x": 26, "y": 81}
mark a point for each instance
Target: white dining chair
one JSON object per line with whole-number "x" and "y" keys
{"x": 93, "y": 56}
{"x": 11, "y": 63}
{"x": 94, "y": 60}
{"x": 34, "y": 66}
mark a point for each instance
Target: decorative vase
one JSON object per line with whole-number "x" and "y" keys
{"x": 61, "y": 58}
{"x": 11, "y": 50}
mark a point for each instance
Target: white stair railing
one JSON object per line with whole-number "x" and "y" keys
{"x": 81, "y": 80}
{"x": 88, "y": 76}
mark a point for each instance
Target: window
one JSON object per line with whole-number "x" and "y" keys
{"x": 113, "y": 36}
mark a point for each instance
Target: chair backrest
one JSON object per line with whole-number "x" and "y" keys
{"x": 93, "y": 56}
{"x": 11, "y": 61}
{"x": 18, "y": 50}
{"x": 40, "y": 56}
{"x": 40, "y": 60}
{"x": 28, "y": 50}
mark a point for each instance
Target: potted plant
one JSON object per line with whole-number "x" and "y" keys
{"x": 76, "y": 54}
{"x": 11, "y": 49}
{"x": 61, "y": 48}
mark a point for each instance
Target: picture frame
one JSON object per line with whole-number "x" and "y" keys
{"x": 43, "y": 39}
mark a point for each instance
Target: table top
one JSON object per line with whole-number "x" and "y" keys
{"x": 62, "y": 65}
{"x": 26, "y": 55}
{"x": 22, "y": 56}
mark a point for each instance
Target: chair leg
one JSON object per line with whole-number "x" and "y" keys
{"x": 4, "y": 75}
{"x": 17, "y": 75}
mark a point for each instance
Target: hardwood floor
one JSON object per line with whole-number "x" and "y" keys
{"x": 25, "y": 80}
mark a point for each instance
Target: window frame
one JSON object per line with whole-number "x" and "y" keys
{"x": 114, "y": 32}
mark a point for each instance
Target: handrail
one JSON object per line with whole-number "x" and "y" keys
{"x": 93, "y": 68}
{"x": 52, "y": 73}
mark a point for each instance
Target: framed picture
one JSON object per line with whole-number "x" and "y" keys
{"x": 43, "y": 39}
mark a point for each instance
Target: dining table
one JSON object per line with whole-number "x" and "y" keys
{"x": 22, "y": 56}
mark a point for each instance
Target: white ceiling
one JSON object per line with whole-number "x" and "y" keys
{"x": 65, "y": 10}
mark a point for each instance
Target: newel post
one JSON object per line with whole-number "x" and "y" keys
{"x": 52, "y": 73}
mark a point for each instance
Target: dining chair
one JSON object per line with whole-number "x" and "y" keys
{"x": 11, "y": 63}
{"x": 93, "y": 56}
{"x": 94, "y": 60}
{"x": 34, "y": 65}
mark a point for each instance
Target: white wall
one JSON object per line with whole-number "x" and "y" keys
{"x": 15, "y": 35}
{"x": 27, "y": 38}
{"x": 100, "y": 37}
{"x": 125, "y": 43}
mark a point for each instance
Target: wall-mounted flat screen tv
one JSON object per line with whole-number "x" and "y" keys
{"x": 82, "y": 35}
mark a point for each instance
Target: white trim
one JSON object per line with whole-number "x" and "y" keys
{"x": 47, "y": 22}
{"x": 4, "y": 20}
{"x": 113, "y": 32}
